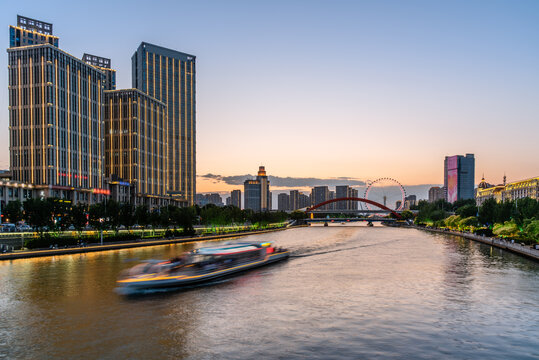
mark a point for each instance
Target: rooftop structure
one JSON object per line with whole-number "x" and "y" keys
{"x": 31, "y": 32}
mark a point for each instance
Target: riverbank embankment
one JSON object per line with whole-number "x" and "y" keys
{"x": 126, "y": 245}
{"x": 496, "y": 242}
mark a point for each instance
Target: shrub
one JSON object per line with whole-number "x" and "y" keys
{"x": 46, "y": 240}
{"x": 508, "y": 228}
{"x": 483, "y": 231}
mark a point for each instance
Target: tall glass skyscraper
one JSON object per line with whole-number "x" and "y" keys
{"x": 169, "y": 76}
{"x": 56, "y": 122}
{"x": 459, "y": 177}
{"x": 136, "y": 143}
{"x": 256, "y": 192}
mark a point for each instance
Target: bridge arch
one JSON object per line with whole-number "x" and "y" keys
{"x": 397, "y": 215}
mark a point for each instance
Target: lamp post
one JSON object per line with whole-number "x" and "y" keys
{"x": 101, "y": 220}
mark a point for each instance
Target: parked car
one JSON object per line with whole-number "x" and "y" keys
{"x": 24, "y": 228}
{"x": 7, "y": 227}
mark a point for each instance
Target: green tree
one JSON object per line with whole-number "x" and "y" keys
{"x": 504, "y": 211}
{"x": 61, "y": 213}
{"x": 78, "y": 217}
{"x": 13, "y": 212}
{"x": 432, "y": 212}
{"x": 461, "y": 203}
{"x": 127, "y": 215}
{"x": 487, "y": 212}
{"x": 97, "y": 216}
{"x": 469, "y": 222}
{"x": 185, "y": 218}
{"x": 142, "y": 215}
{"x": 466, "y": 210}
{"x": 154, "y": 218}
{"x": 526, "y": 208}
{"x": 298, "y": 215}
{"x": 112, "y": 208}
{"x": 39, "y": 214}
{"x": 407, "y": 214}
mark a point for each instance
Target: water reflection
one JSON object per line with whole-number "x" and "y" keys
{"x": 348, "y": 293}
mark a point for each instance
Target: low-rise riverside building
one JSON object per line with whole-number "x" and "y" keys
{"x": 510, "y": 191}
{"x": 14, "y": 190}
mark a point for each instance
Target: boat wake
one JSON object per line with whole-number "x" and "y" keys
{"x": 293, "y": 255}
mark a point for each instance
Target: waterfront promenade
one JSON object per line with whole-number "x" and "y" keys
{"x": 497, "y": 242}
{"x": 129, "y": 244}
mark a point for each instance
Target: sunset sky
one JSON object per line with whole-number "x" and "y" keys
{"x": 330, "y": 89}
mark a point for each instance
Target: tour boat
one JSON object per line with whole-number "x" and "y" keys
{"x": 198, "y": 266}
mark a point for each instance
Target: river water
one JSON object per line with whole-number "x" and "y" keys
{"x": 346, "y": 293}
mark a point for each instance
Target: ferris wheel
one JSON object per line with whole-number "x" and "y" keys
{"x": 386, "y": 191}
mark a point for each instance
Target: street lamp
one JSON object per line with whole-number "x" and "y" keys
{"x": 101, "y": 220}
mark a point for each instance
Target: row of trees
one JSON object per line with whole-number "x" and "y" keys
{"x": 213, "y": 215}
{"x": 518, "y": 218}
{"x": 57, "y": 214}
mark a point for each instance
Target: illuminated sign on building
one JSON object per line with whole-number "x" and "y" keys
{"x": 452, "y": 178}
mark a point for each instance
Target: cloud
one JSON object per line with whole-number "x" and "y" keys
{"x": 287, "y": 182}
{"x": 281, "y": 184}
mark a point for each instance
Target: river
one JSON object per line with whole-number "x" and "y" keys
{"x": 346, "y": 293}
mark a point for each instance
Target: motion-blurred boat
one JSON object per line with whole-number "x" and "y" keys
{"x": 198, "y": 266}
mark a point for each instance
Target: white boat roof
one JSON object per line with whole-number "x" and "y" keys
{"x": 227, "y": 249}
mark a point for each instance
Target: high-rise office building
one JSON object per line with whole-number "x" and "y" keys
{"x": 409, "y": 202}
{"x": 256, "y": 192}
{"x": 235, "y": 198}
{"x": 459, "y": 177}
{"x": 31, "y": 32}
{"x": 136, "y": 144}
{"x": 206, "y": 199}
{"x": 319, "y": 194}
{"x": 304, "y": 201}
{"x": 293, "y": 199}
{"x": 331, "y": 206}
{"x": 169, "y": 76}
{"x": 102, "y": 64}
{"x": 283, "y": 202}
{"x": 436, "y": 193}
{"x": 342, "y": 191}
{"x": 56, "y": 122}
{"x": 353, "y": 205}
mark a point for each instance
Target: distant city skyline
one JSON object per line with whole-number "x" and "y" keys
{"x": 383, "y": 88}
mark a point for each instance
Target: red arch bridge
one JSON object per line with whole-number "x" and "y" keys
{"x": 383, "y": 209}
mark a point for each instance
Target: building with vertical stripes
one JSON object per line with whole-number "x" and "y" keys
{"x": 235, "y": 198}
{"x": 56, "y": 123}
{"x": 257, "y": 195}
{"x": 102, "y": 64}
{"x": 169, "y": 76}
{"x": 136, "y": 151}
{"x": 31, "y": 32}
